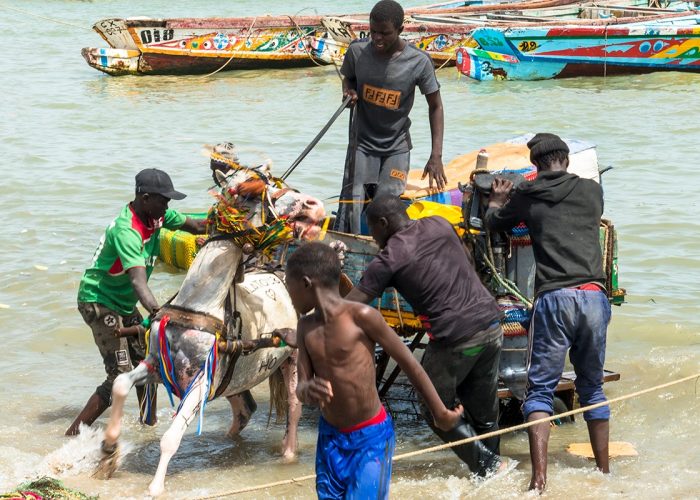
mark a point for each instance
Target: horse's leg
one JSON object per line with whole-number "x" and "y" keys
{"x": 289, "y": 443}
{"x": 170, "y": 441}
{"x": 242, "y": 406}
{"x": 120, "y": 390}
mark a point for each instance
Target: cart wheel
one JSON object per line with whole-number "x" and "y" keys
{"x": 560, "y": 407}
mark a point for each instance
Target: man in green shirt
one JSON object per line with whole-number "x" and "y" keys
{"x": 118, "y": 278}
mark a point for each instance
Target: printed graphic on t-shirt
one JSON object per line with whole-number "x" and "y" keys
{"x": 390, "y": 99}
{"x": 398, "y": 174}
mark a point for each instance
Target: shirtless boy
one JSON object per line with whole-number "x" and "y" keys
{"x": 336, "y": 373}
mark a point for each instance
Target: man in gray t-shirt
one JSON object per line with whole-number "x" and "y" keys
{"x": 381, "y": 75}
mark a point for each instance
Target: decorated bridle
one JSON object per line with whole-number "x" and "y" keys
{"x": 230, "y": 219}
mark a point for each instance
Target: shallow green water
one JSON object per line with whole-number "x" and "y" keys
{"x": 72, "y": 140}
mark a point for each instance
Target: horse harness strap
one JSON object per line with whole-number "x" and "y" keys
{"x": 184, "y": 318}
{"x": 230, "y": 312}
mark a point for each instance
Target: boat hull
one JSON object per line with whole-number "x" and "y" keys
{"x": 191, "y": 46}
{"x": 571, "y": 51}
{"x": 441, "y": 34}
{"x": 114, "y": 62}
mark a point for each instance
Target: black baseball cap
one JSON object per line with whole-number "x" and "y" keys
{"x": 154, "y": 181}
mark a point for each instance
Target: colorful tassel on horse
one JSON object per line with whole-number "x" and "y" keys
{"x": 167, "y": 368}
{"x": 208, "y": 372}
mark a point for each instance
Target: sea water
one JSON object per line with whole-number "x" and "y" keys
{"x": 72, "y": 140}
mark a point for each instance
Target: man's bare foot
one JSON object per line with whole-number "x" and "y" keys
{"x": 505, "y": 465}
{"x": 538, "y": 484}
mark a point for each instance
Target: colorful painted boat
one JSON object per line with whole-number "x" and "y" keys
{"x": 665, "y": 43}
{"x": 442, "y": 31}
{"x": 143, "y": 46}
{"x": 201, "y": 45}
{"x": 191, "y": 46}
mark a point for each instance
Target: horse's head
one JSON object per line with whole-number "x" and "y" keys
{"x": 251, "y": 199}
{"x": 305, "y": 213}
{"x": 244, "y": 189}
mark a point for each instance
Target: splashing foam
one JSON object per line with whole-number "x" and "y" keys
{"x": 78, "y": 455}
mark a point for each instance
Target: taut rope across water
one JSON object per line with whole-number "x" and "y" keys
{"x": 464, "y": 441}
{"x": 51, "y": 19}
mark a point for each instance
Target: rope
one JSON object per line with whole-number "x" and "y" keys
{"x": 304, "y": 36}
{"x": 57, "y": 21}
{"x": 304, "y": 43}
{"x": 233, "y": 52}
{"x": 397, "y": 304}
{"x": 445, "y": 63}
{"x": 466, "y": 440}
{"x": 507, "y": 284}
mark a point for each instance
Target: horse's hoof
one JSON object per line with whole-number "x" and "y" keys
{"x": 108, "y": 463}
{"x": 156, "y": 490}
{"x": 234, "y": 433}
{"x": 289, "y": 457}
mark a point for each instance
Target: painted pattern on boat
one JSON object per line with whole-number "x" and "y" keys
{"x": 554, "y": 52}
{"x": 204, "y": 45}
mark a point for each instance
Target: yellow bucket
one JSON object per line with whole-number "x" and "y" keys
{"x": 453, "y": 214}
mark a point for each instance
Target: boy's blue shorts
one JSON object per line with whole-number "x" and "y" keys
{"x": 354, "y": 465}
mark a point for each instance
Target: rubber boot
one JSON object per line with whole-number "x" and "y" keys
{"x": 492, "y": 443}
{"x": 93, "y": 409}
{"x": 480, "y": 459}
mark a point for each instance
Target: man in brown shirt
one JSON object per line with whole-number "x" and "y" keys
{"x": 428, "y": 265}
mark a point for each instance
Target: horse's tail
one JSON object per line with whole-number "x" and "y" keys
{"x": 278, "y": 397}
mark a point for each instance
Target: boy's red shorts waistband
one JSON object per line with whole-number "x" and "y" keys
{"x": 377, "y": 419}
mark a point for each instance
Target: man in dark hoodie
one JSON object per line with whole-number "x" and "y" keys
{"x": 562, "y": 212}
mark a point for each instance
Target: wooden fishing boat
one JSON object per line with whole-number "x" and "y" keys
{"x": 669, "y": 42}
{"x": 511, "y": 280}
{"x": 441, "y": 32}
{"x": 141, "y": 46}
{"x": 190, "y": 46}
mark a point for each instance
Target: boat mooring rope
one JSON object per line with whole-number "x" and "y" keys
{"x": 463, "y": 441}
{"x": 57, "y": 21}
{"x": 233, "y": 52}
{"x": 449, "y": 58}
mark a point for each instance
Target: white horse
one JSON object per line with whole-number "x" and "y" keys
{"x": 199, "y": 347}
